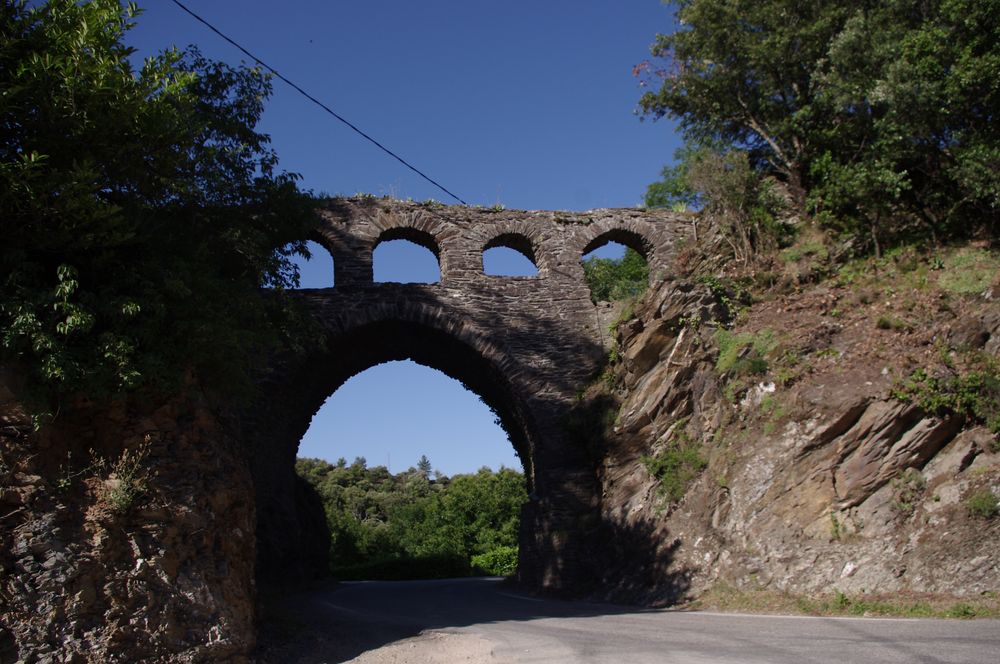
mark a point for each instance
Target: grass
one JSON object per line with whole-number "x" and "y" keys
{"x": 969, "y": 271}
{"x": 743, "y": 353}
{"x": 724, "y": 597}
{"x": 983, "y": 504}
{"x": 676, "y": 466}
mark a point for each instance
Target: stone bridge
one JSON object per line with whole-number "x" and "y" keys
{"x": 528, "y": 346}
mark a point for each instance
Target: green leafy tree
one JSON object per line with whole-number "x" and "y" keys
{"x": 616, "y": 279}
{"x": 879, "y": 117}
{"x": 405, "y": 525}
{"x": 142, "y": 212}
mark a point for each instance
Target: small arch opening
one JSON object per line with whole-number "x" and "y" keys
{"x": 317, "y": 270}
{"x": 614, "y": 271}
{"x": 509, "y": 255}
{"x": 406, "y": 256}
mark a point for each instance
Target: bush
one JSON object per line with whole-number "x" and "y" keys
{"x": 675, "y": 467}
{"x": 974, "y": 393}
{"x": 501, "y": 561}
{"x": 743, "y": 353}
{"x": 983, "y": 504}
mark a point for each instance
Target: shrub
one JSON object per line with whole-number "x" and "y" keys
{"x": 907, "y": 489}
{"x": 982, "y": 504}
{"x": 675, "y": 467}
{"x": 974, "y": 393}
{"x": 743, "y": 353}
{"x": 501, "y": 561}
{"x": 127, "y": 479}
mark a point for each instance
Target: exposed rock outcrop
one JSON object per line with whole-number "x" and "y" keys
{"x": 816, "y": 477}
{"x": 106, "y": 560}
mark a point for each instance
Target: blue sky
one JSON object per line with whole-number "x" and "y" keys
{"x": 529, "y": 104}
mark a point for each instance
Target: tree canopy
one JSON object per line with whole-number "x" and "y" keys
{"x": 616, "y": 279}
{"x": 143, "y": 213}
{"x": 412, "y": 524}
{"x": 879, "y": 117}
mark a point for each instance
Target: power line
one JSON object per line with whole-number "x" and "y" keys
{"x": 326, "y": 108}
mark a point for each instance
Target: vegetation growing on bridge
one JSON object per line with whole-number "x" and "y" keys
{"x": 416, "y": 524}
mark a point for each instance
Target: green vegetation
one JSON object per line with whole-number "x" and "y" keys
{"x": 127, "y": 479}
{"x": 142, "y": 213}
{"x": 610, "y": 279}
{"x": 743, "y": 353}
{"x": 724, "y": 597}
{"x": 969, "y": 271}
{"x": 501, "y": 561}
{"x": 888, "y": 322}
{"x": 676, "y": 466}
{"x": 414, "y": 524}
{"x": 907, "y": 490}
{"x": 973, "y": 392}
{"x": 724, "y": 184}
{"x": 874, "y": 119}
{"x": 983, "y": 504}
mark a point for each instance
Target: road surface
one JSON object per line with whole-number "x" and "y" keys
{"x": 482, "y": 621}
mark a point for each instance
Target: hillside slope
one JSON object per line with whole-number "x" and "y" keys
{"x": 809, "y": 441}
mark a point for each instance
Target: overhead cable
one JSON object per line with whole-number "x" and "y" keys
{"x": 313, "y": 99}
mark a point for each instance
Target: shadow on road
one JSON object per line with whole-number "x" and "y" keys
{"x": 344, "y": 620}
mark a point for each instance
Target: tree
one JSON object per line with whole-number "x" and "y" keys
{"x": 143, "y": 215}
{"x": 611, "y": 279}
{"x": 740, "y": 72}
{"x": 424, "y": 465}
{"x": 879, "y": 117}
{"x": 375, "y": 517}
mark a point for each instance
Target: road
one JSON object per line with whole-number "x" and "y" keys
{"x": 480, "y": 621}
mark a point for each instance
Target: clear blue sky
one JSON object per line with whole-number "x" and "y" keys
{"x": 529, "y": 104}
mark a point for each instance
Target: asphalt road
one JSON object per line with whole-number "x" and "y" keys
{"x": 355, "y": 618}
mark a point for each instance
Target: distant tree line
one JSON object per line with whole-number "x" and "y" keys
{"x": 417, "y": 524}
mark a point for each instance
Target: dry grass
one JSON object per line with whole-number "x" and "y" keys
{"x": 723, "y": 597}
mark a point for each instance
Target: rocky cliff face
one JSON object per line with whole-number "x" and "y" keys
{"x": 126, "y": 534}
{"x": 809, "y": 475}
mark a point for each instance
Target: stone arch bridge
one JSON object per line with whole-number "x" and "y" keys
{"x": 527, "y": 346}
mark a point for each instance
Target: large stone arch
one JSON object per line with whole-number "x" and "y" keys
{"x": 398, "y": 321}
